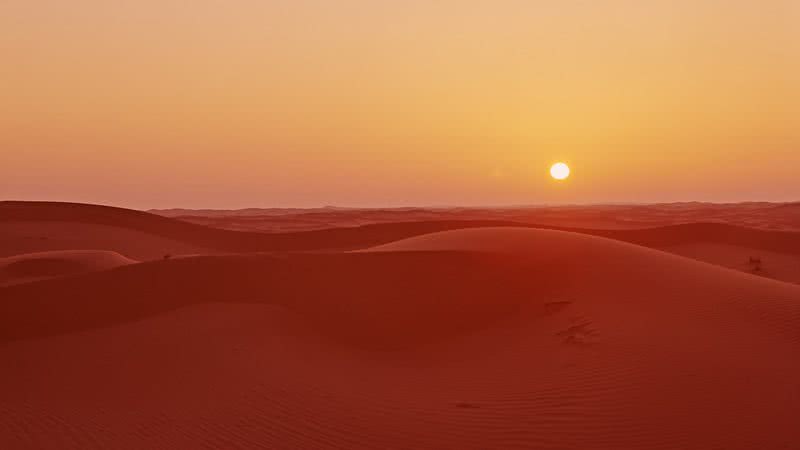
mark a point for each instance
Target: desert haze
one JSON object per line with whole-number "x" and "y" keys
{"x": 435, "y": 329}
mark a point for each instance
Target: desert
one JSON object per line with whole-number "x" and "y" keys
{"x": 400, "y": 225}
{"x": 439, "y": 334}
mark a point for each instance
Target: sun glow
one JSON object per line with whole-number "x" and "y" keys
{"x": 559, "y": 171}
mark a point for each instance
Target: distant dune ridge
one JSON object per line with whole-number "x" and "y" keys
{"x": 762, "y": 215}
{"x": 40, "y": 226}
{"x": 446, "y": 334}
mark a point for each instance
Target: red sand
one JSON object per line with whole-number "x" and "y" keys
{"x": 27, "y": 227}
{"x": 498, "y": 337}
{"x": 41, "y": 265}
{"x": 772, "y": 216}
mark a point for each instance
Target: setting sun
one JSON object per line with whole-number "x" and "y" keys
{"x": 559, "y": 171}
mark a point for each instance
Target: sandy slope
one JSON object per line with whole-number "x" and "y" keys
{"x": 27, "y": 226}
{"x": 40, "y": 226}
{"x": 483, "y": 338}
{"x": 41, "y": 265}
{"x": 779, "y": 266}
{"x": 20, "y": 237}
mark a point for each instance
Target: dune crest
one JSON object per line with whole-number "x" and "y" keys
{"x": 42, "y": 265}
{"x": 27, "y": 227}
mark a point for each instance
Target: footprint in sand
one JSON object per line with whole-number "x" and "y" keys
{"x": 580, "y": 334}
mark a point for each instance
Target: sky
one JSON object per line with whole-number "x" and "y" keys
{"x": 254, "y": 103}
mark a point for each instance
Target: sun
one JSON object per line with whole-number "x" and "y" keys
{"x": 559, "y": 171}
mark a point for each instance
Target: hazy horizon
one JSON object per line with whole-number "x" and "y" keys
{"x": 238, "y": 205}
{"x": 411, "y": 206}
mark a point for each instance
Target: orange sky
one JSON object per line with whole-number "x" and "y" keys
{"x": 368, "y": 103}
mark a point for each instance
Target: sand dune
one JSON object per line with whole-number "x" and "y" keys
{"x": 36, "y": 266}
{"x": 371, "y": 299}
{"x": 37, "y": 226}
{"x": 40, "y": 226}
{"x": 480, "y": 338}
{"x": 775, "y": 265}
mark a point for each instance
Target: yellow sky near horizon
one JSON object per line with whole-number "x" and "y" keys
{"x": 308, "y": 102}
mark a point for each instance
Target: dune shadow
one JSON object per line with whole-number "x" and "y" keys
{"x": 380, "y": 300}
